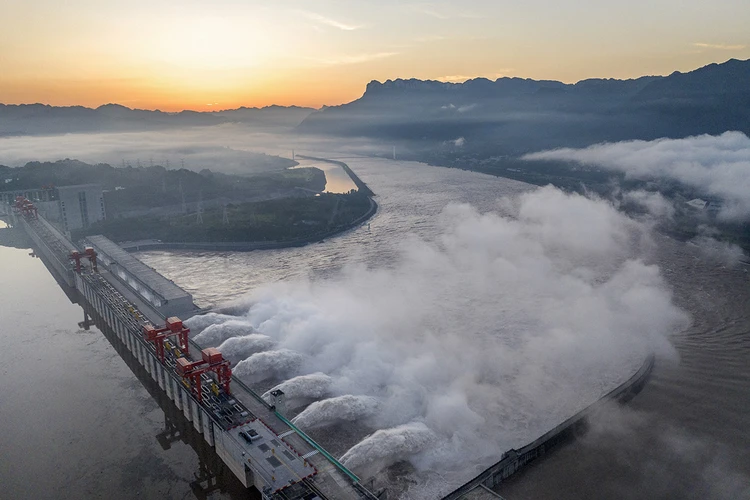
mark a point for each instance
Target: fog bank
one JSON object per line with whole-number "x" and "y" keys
{"x": 718, "y": 166}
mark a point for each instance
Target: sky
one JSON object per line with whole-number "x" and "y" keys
{"x": 190, "y": 54}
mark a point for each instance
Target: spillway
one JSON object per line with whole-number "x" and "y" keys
{"x": 255, "y": 440}
{"x": 258, "y": 444}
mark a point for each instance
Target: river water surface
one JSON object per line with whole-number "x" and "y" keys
{"x": 686, "y": 436}
{"x": 75, "y": 422}
{"x": 64, "y": 435}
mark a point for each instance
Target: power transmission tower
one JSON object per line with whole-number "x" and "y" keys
{"x": 199, "y": 219}
{"x": 225, "y": 218}
{"x": 182, "y": 193}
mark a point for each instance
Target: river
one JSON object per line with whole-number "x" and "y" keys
{"x": 337, "y": 180}
{"x": 683, "y": 436}
{"x": 62, "y": 434}
{"x": 75, "y": 422}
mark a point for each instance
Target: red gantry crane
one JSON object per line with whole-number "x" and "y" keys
{"x": 26, "y": 208}
{"x": 174, "y": 327}
{"x": 212, "y": 360}
{"x": 88, "y": 253}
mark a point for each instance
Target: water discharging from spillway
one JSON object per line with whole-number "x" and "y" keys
{"x": 445, "y": 333}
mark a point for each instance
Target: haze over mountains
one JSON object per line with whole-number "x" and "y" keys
{"x": 35, "y": 119}
{"x": 495, "y": 127}
{"x": 507, "y": 116}
{"x": 520, "y": 115}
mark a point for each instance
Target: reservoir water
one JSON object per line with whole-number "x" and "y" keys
{"x": 75, "y": 421}
{"x": 686, "y": 435}
{"x": 63, "y": 433}
{"x": 337, "y": 180}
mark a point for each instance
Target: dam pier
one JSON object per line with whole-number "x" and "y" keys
{"x": 145, "y": 311}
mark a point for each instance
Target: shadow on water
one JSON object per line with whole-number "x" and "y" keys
{"x": 212, "y": 476}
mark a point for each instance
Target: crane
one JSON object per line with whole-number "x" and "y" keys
{"x": 173, "y": 327}
{"x": 211, "y": 361}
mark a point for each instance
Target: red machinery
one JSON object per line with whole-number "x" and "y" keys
{"x": 26, "y": 208}
{"x": 212, "y": 360}
{"x": 88, "y": 253}
{"x": 174, "y": 327}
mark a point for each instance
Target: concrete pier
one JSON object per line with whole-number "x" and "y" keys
{"x": 125, "y": 305}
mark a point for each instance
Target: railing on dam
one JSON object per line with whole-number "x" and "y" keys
{"x": 512, "y": 460}
{"x": 126, "y": 314}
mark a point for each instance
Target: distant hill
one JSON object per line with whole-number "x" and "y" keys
{"x": 514, "y": 115}
{"x": 36, "y": 119}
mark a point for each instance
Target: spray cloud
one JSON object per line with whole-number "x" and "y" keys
{"x": 476, "y": 342}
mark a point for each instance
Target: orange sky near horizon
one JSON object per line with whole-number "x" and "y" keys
{"x": 173, "y": 55}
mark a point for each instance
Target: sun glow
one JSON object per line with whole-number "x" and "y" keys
{"x": 174, "y": 53}
{"x": 210, "y": 43}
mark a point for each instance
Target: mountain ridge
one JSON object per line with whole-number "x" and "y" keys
{"x": 40, "y": 119}
{"x": 518, "y": 115}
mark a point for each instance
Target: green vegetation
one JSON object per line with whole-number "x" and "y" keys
{"x": 148, "y": 203}
{"x": 138, "y": 190}
{"x": 281, "y": 220}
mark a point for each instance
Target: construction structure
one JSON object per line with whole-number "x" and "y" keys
{"x": 259, "y": 445}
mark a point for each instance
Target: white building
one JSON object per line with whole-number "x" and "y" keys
{"x": 70, "y": 207}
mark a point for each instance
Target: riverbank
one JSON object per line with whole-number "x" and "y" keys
{"x": 246, "y": 246}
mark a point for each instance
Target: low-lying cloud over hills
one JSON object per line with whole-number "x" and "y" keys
{"x": 716, "y": 165}
{"x": 35, "y": 119}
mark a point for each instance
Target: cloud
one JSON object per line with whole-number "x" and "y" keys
{"x": 684, "y": 463}
{"x": 459, "y": 109}
{"x": 455, "y": 78}
{"x": 719, "y": 46}
{"x": 718, "y": 166}
{"x": 228, "y": 148}
{"x": 721, "y": 252}
{"x": 655, "y": 203}
{"x": 475, "y": 342}
{"x": 462, "y": 78}
{"x": 459, "y": 143}
{"x": 329, "y": 22}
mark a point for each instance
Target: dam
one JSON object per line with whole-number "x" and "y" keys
{"x": 256, "y": 442}
{"x": 252, "y": 437}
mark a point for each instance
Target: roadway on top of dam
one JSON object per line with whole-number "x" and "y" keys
{"x": 317, "y": 469}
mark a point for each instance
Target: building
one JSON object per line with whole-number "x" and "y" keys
{"x": 69, "y": 207}
{"x": 164, "y": 296}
